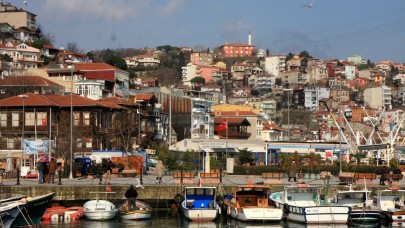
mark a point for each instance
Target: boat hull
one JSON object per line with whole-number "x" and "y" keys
{"x": 200, "y": 214}
{"x": 364, "y": 216}
{"x": 255, "y": 214}
{"x": 318, "y": 214}
{"x": 136, "y": 215}
{"x": 99, "y": 210}
{"x": 9, "y": 213}
{"x": 35, "y": 209}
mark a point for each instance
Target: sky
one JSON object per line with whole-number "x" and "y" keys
{"x": 329, "y": 29}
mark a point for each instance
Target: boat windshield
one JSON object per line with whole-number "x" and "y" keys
{"x": 303, "y": 190}
{"x": 200, "y": 192}
{"x": 350, "y": 195}
{"x": 392, "y": 193}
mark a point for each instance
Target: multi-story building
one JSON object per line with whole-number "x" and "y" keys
{"x": 350, "y": 71}
{"x": 356, "y": 59}
{"x": 17, "y": 17}
{"x": 340, "y": 94}
{"x": 263, "y": 81}
{"x": 142, "y": 60}
{"x": 378, "y": 97}
{"x": 236, "y": 50}
{"x": 267, "y": 108}
{"x": 189, "y": 72}
{"x": 202, "y": 122}
{"x": 275, "y": 64}
{"x": 313, "y": 94}
{"x": 16, "y": 85}
{"x": 202, "y": 58}
{"x": 23, "y": 56}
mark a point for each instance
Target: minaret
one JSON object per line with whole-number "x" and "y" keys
{"x": 250, "y": 38}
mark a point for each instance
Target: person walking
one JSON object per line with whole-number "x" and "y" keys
{"x": 159, "y": 172}
{"x": 46, "y": 172}
{"x": 131, "y": 195}
{"x": 109, "y": 166}
{"x": 384, "y": 171}
{"x": 293, "y": 171}
{"x": 40, "y": 169}
{"x": 52, "y": 170}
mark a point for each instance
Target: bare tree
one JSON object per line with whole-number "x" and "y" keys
{"x": 124, "y": 130}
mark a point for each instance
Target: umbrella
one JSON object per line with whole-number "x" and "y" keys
{"x": 44, "y": 158}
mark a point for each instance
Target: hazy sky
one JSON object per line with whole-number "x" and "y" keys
{"x": 330, "y": 29}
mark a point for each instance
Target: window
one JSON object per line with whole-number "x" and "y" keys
{"x": 3, "y": 119}
{"x": 30, "y": 119}
{"x": 41, "y": 119}
{"x": 10, "y": 143}
{"x": 76, "y": 118}
{"x": 86, "y": 117}
{"x": 15, "y": 119}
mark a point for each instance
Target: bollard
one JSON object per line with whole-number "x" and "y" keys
{"x": 181, "y": 175}
{"x": 60, "y": 177}
{"x": 18, "y": 176}
{"x": 141, "y": 175}
{"x": 220, "y": 175}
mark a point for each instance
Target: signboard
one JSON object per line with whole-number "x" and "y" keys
{"x": 38, "y": 146}
{"x": 210, "y": 145}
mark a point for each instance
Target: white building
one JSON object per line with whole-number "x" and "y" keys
{"x": 92, "y": 89}
{"x": 275, "y": 64}
{"x": 350, "y": 72}
{"x": 313, "y": 94}
{"x": 377, "y": 97}
{"x": 189, "y": 72}
{"x": 202, "y": 122}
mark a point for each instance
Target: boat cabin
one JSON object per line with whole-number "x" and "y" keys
{"x": 302, "y": 196}
{"x": 391, "y": 199}
{"x": 200, "y": 197}
{"x": 251, "y": 196}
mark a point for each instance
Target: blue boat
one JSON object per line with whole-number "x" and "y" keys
{"x": 199, "y": 203}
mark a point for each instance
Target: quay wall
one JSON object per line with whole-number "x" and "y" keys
{"x": 148, "y": 193}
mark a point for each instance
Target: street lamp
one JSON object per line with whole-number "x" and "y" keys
{"x": 288, "y": 111}
{"x": 23, "y": 96}
{"x": 71, "y": 117}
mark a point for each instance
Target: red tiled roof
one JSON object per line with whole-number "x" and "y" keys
{"x": 95, "y": 67}
{"x": 230, "y": 120}
{"x": 27, "y": 81}
{"x": 100, "y": 75}
{"x": 233, "y": 113}
{"x": 119, "y": 101}
{"x": 145, "y": 97}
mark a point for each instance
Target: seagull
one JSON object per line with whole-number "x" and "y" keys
{"x": 310, "y": 4}
{"x": 25, "y": 2}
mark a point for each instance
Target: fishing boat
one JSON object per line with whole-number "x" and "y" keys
{"x": 9, "y": 210}
{"x": 251, "y": 203}
{"x": 100, "y": 209}
{"x": 33, "y": 211}
{"x": 199, "y": 203}
{"x": 359, "y": 201}
{"x": 391, "y": 204}
{"x": 301, "y": 203}
{"x": 142, "y": 211}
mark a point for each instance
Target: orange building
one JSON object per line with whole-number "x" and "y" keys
{"x": 236, "y": 50}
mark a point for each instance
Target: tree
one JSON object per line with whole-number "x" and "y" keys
{"x": 304, "y": 54}
{"x": 124, "y": 130}
{"x": 289, "y": 56}
{"x": 72, "y": 46}
{"x": 359, "y": 155}
{"x": 198, "y": 80}
{"x": 245, "y": 156}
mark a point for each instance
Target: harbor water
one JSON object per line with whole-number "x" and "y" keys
{"x": 164, "y": 218}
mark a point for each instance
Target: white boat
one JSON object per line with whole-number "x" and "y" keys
{"x": 100, "y": 209}
{"x": 142, "y": 211}
{"x": 251, "y": 203}
{"x": 360, "y": 202}
{"x": 9, "y": 210}
{"x": 301, "y": 203}
{"x": 391, "y": 203}
{"x": 199, "y": 203}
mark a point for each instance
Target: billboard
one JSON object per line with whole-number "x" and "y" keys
{"x": 38, "y": 146}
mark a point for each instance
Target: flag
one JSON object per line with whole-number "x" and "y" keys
{"x": 300, "y": 175}
{"x": 222, "y": 126}
{"x": 250, "y": 181}
{"x": 199, "y": 182}
{"x": 195, "y": 125}
{"x": 109, "y": 189}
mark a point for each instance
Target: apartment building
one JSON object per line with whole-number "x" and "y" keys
{"x": 275, "y": 64}
{"x": 378, "y": 97}
{"x": 23, "y": 56}
{"x": 202, "y": 58}
{"x": 17, "y": 17}
{"x": 236, "y": 50}
{"x": 313, "y": 94}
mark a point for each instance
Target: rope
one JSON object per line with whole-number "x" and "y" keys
{"x": 25, "y": 217}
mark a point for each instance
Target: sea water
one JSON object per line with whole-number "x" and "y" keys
{"x": 163, "y": 219}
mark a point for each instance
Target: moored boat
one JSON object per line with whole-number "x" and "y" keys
{"x": 100, "y": 209}
{"x": 200, "y": 203}
{"x": 9, "y": 210}
{"x": 391, "y": 204}
{"x": 142, "y": 211}
{"x": 360, "y": 202}
{"x": 251, "y": 203}
{"x": 35, "y": 208}
{"x": 301, "y": 203}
